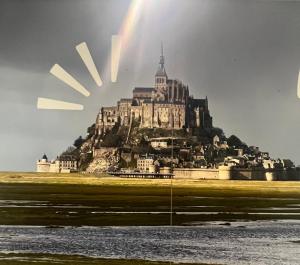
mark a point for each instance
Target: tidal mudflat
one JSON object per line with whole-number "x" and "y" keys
{"x": 259, "y": 243}
{"x": 76, "y": 200}
{"x": 60, "y": 259}
{"x": 52, "y": 219}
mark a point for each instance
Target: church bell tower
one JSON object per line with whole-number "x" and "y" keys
{"x": 161, "y": 79}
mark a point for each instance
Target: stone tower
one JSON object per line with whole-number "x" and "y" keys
{"x": 161, "y": 79}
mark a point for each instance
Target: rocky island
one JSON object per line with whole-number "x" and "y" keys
{"x": 164, "y": 131}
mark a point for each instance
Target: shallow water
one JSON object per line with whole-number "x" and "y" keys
{"x": 265, "y": 242}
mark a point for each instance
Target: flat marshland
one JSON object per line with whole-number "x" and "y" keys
{"x": 48, "y": 218}
{"x": 80, "y": 199}
{"x": 46, "y": 259}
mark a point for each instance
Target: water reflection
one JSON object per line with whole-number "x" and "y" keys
{"x": 265, "y": 242}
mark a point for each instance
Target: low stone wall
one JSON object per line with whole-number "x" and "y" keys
{"x": 284, "y": 174}
{"x": 266, "y": 174}
{"x": 231, "y": 173}
{"x": 293, "y": 174}
{"x": 249, "y": 174}
{"x": 195, "y": 173}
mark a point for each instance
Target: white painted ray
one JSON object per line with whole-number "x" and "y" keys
{"x": 48, "y": 103}
{"x": 298, "y": 89}
{"x": 116, "y": 46}
{"x": 64, "y": 76}
{"x": 86, "y": 57}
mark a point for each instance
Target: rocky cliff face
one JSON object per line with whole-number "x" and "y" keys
{"x": 121, "y": 146}
{"x": 104, "y": 159}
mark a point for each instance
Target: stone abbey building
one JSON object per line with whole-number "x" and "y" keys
{"x": 167, "y": 105}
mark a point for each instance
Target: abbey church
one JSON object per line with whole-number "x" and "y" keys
{"x": 167, "y": 105}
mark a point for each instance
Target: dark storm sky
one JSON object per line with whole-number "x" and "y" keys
{"x": 243, "y": 55}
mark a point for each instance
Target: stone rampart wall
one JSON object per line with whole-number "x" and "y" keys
{"x": 195, "y": 173}
{"x": 230, "y": 173}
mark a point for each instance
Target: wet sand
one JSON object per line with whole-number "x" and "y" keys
{"x": 216, "y": 222}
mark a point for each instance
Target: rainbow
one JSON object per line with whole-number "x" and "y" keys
{"x": 130, "y": 21}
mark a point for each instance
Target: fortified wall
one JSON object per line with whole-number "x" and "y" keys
{"x": 232, "y": 173}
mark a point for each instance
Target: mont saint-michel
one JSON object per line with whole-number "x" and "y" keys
{"x": 162, "y": 131}
{"x": 167, "y": 105}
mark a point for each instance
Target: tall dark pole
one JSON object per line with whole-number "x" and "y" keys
{"x": 171, "y": 184}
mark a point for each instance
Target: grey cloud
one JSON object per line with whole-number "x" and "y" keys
{"x": 243, "y": 55}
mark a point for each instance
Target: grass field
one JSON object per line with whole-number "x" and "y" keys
{"x": 263, "y": 188}
{"x": 75, "y": 199}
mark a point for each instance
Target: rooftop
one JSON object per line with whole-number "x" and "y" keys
{"x": 125, "y": 99}
{"x": 143, "y": 89}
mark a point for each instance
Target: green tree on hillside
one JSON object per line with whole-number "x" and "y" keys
{"x": 78, "y": 142}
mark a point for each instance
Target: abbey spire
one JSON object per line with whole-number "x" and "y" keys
{"x": 161, "y": 68}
